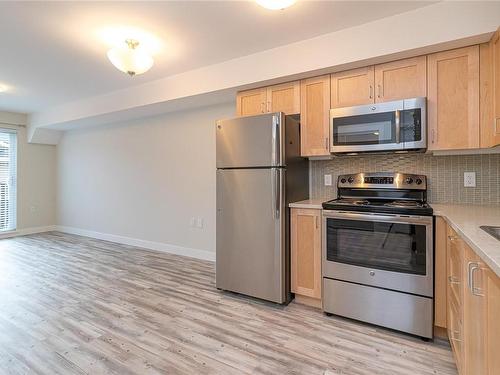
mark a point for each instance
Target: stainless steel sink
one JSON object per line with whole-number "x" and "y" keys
{"x": 493, "y": 231}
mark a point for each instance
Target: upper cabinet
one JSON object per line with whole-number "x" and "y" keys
{"x": 251, "y": 102}
{"x": 395, "y": 80}
{"x": 453, "y": 99}
{"x": 401, "y": 79}
{"x": 494, "y": 121}
{"x": 278, "y": 98}
{"x": 315, "y": 116}
{"x": 353, "y": 87}
{"x": 284, "y": 98}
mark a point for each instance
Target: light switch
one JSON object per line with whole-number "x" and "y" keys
{"x": 328, "y": 180}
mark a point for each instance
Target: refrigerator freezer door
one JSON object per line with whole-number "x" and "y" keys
{"x": 253, "y": 141}
{"x": 250, "y": 239}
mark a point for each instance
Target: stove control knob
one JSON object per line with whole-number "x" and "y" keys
{"x": 351, "y": 180}
{"x": 343, "y": 180}
{"x": 408, "y": 180}
{"x": 418, "y": 181}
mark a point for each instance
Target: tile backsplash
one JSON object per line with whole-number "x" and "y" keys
{"x": 445, "y": 174}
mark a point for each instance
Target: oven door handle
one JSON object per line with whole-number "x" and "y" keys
{"x": 377, "y": 217}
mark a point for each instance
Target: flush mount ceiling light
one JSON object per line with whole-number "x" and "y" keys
{"x": 3, "y": 88}
{"x": 130, "y": 58}
{"x": 275, "y": 4}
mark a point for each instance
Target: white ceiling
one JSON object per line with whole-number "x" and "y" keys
{"x": 54, "y": 53}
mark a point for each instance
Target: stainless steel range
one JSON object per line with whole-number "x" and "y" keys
{"x": 378, "y": 251}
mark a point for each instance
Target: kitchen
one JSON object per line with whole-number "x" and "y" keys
{"x": 389, "y": 230}
{"x": 250, "y": 187}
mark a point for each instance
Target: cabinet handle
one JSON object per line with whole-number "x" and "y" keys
{"x": 262, "y": 107}
{"x": 379, "y": 91}
{"x": 371, "y": 92}
{"x": 326, "y": 143}
{"x": 453, "y": 336}
{"x": 475, "y": 291}
{"x": 268, "y": 106}
{"x": 452, "y": 238}
{"x": 317, "y": 222}
{"x": 453, "y": 280}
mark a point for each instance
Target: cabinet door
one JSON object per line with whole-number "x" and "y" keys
{"x": 492, "y": 323}
{"x": 251, "y": 102}
{"x": 440, "y": 274}
{"x": 495, "y": 51}
{"x": 306, "y": 252}
{"x": 315, "y": 116}
{"x": 474, "y": 314}
{"x": 453, "y": 99}
{"x": 401, "y": 79}
{"x": 454, "y": 297}
{"x": 353, "y": 87}
{"x": 284, "y": 98}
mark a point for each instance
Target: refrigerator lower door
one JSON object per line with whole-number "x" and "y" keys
{"x": 250, "y": 240}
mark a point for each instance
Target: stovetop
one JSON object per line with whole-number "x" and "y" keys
{"x": 379, "y": 206}
{"x": 382, "y": 192}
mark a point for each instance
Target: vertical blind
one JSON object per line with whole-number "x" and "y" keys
{"x": 8, "y": 179}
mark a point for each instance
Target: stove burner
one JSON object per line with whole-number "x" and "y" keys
{"x": 405, "y": 204}
{"x": 356, "y": 202}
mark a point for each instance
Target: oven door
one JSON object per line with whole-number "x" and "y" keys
{"x": 396, "y": 125}
{"x": 383, "y": 250}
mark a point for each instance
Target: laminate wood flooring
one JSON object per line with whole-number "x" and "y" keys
{"x": 75, "y": 305}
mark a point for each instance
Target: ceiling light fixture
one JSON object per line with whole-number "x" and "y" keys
{"x": 275, "y": 4}
{"x": 130, "y": 58}
{"x": 3, "y": 88}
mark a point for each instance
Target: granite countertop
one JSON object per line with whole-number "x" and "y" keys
{"x": 308, "y": 203}
{"x": 466, "y": 220}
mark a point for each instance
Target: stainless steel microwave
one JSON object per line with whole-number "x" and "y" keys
{"x": 391, "y": 126}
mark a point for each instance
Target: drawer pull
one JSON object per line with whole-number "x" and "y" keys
{"x": 453, "y": 280}
{"x": 452, "y": 238}
{"x": 453, "y": 336}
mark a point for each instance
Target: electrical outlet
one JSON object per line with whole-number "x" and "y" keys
{"x": 328, "y": 180}
{"x": 33, "y": 209}
{"x": 469, "y": 179}
{"x": 199, "y": 222}
{"x": 192, "y": 222}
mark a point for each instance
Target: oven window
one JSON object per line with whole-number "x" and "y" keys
{"x": 387, "y": 246}
{"x": 411, "y": 125}
{"x": 370, "y": 129}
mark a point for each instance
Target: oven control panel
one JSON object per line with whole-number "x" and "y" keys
{"x": 383, "y": 181}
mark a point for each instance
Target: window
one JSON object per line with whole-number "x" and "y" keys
{"x": 8, "y": 179}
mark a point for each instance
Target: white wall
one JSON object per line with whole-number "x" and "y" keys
{"x": 36, "y": 180}
{"x": 143, "y": 179}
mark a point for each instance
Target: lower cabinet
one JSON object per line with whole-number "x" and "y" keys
{"x": 306, "y": 255}
{"x": 472, "y": 305}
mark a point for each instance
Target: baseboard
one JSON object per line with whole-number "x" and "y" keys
{"x": 158, "y": 246}
{"x": 26, "y": 231}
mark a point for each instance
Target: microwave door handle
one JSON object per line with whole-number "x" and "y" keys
{"x": 397, "y": 116}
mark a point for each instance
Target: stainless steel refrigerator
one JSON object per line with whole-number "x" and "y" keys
{"x": 259, "y": 171}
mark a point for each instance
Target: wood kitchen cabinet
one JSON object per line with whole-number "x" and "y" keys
{"x": 401, "y": 79}
{"x": 251, "y": 102}
{"x": 306, "y": 255}
{"x": 490, "y": 92}
{"x": 440, "y": 279}
{"x": 454, "y": 296}
{"x": 284, "y": 98}
{"x": 278, "y": 98}
{"x": 353, "y": 87}
{"x": 453, "y": 99}
{"x": 315, "y": 116}
{"x": 472, "y": 305}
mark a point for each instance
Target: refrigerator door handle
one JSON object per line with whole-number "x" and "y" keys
{"x": 276, "y": 198}
{"x": 276, "y": 140}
